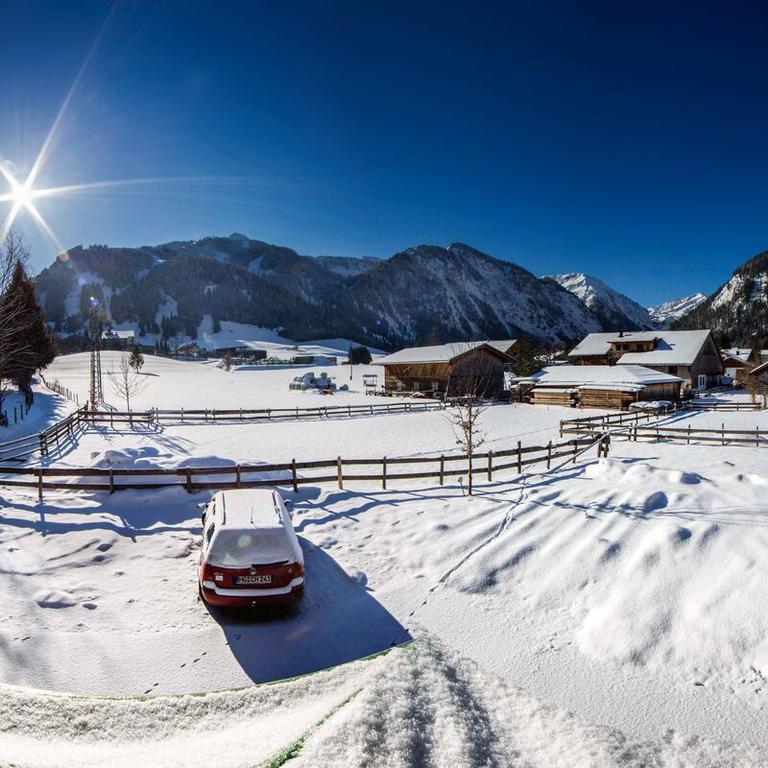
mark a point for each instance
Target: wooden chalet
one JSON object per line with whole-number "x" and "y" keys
{"x": 691, "y": 355}
{"x": 447, "y": 370}
{"x": 602, "y": 386}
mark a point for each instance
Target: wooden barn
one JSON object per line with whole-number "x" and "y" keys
{"x": 602, "y": 386}
{"x": 446, "y": 370}
{"x": 691, "y": 355}
{"x": 757, "y": 381}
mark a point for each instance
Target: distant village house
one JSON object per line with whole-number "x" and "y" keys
{"x": 602, "y": 386}
{"x": 691, "y": 355}
{"x": 448, "y": 370}
{"x": 112, "y": 339}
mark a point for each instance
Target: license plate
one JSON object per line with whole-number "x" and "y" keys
{"x": 253, "y": 579}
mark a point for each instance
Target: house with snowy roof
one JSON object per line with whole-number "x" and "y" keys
{"x": 602, "y": 386}
{"x": 691, "y": 355}
{"x": 448, "y": 370}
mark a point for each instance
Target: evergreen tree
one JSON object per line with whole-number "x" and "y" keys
{"x": 359, "y": 355}
{"x": 137, "y": 359}
{"x": 526, "y": 355}
{"x": 27, "y": 342}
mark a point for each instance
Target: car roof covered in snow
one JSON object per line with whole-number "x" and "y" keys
{"x": 604, "y": 375}
{"x": 672, "y": 347}
{"x": 442, "y": 353}
{"x": 249, "y": 508}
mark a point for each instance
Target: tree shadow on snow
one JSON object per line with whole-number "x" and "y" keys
{"x": 338, "y": 620}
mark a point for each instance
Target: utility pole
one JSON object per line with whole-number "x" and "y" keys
{"x": 96, "y": 394}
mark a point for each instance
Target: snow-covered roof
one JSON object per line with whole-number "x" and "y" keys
{"x": 603, "y": 375}
{"x": 502, "y": 344}
{"x": 737, "y": 352}
{"x": 441, "y": 353}
{"x": 251, "y": 507}
{"x": 672, "y": 347}
{"x": 759, "y": 368}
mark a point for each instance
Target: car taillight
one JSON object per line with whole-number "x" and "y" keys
{"x": 210, "y": 573}
{"x": 296, "y": 569}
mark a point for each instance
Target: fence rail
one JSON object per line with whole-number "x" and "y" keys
{"x": 208, "y": 415}
{"x": 55, "y": 386}
{"x": 754, "y": 437}
{"x": 594, "y": 424}
{"x": 691, "y": 406}
{"x": 287, "y": 473}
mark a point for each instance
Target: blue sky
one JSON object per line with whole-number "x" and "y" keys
{"x": 626, "y": 140}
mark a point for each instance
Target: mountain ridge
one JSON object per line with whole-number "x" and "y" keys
{"x": 615, "y": 310}
{"x": 423, "y": 294}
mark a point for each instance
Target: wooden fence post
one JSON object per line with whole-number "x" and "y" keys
{"x": 237, "y": 476}
{"x": 689, "y": 435}
{"x": 442, "y": 469}
{"x": 519, "y": 457}
{"x": 490, "y": 466}
{"x": 722, "y": 432}
{"x": 40, "y": 484}
{"x": 293, "y": 476}
{"x": 575, "y": 449}
{"x": 339, "y": 474}
{"x": 384, "y": 473}
{"x": 757, "y": 437}
{"x": 111, "y": 481}
{"x": 189, "y": 480}
{"x": 549, "y": 454}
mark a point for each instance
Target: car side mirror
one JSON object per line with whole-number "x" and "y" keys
{"x": 288, "y": 506}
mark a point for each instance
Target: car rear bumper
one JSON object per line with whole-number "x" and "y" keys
{"x": 214, "y": 595}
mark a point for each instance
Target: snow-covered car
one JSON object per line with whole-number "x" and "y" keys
{"x": 250, "y": 553}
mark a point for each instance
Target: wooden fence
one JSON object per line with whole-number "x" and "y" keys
{"x": 595, "y": 424}
{"x": 54, "y": 386}
{"x": 693, "y": 406}
{"x": 213, "y": 415}
{"x": 754, "y": 437}
{"x": 339, "y": 470}
{"x": 65, "y": 431}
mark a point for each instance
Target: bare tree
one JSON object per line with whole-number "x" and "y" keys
{"x": 125, "y": 380}
{"x": 13, "y": 250}
{"x": 471, "y": 381}
{"x": 465, "y": 416}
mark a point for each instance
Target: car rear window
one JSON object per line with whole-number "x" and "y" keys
{"x": 242, "y": 548}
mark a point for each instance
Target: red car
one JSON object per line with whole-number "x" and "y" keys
{"x": 250, "y": 555}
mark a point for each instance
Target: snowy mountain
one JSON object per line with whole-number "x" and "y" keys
{"x": 614, "y": 310}
{"x": 738, "y": 310}
{"x": 426, "y": 293}
{"x": 663, "y": 315}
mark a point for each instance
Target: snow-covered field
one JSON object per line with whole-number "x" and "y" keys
{"x": 629, "y": 591}
{"x": 169, "y": 383}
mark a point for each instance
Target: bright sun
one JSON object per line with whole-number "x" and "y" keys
{"x": 22, "y": 196}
